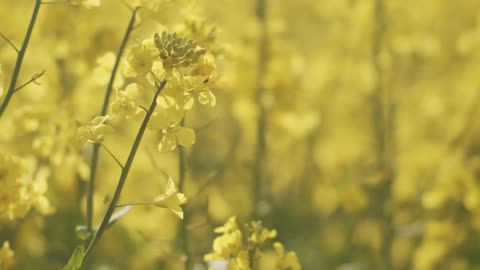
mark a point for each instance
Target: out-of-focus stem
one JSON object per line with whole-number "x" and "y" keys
{"x": 383, "y": 121}
{"x": 106, "y": 101}
{"x": 123, "y": 177}
{"x": 21, "y": 56}
{"x": 261, "y": 146}
{"x": 182, "y": 226}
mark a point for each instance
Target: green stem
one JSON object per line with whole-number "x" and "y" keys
{"x": 383, "y": 120}
{"x": 106, "y": 101}
{"x": 261, "y": 147}
{"x": 182, "y": 236}
{"x": 133, "y": 204}
{"x": 112, "y": 155}
{"x": 124, "y": 174}
{"x": 21, "y": 56}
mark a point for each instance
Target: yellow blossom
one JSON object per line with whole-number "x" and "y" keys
{"x": 241, "y": 261}
{"x": 205, "y": 66}
{"x": 175, "y": 135}
{"x": 13, "y": 192}
{"x": 170, "y": 131}
{"x": 20, "y": 192}
{"x": 123, "y": 105}
{"x": 229, "y": 243}
{"x": 139, "y": 60}
{"x": 7, "y": 259}
{"x": 260, "y": 235}
{"x": 87, "y": 3}
{"x": 95, "y": 131}
{"x": 287, "y": 261}
{"x": 171, "y": 199}
{"x": 103, "y": 70}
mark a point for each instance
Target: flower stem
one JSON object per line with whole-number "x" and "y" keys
{"x": 133, "y": 204}
{"x": 21, "y": 56}
{"x": 258, "y": 166}
{"x": 383, "y": 124}
{"x": 106, "y": 100}
{"x": 124, "y": 174}
{"x": 112, "y": 155}
{"x": 182, "y": 236}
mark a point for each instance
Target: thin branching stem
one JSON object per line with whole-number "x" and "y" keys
{"x": 112, "y": 155}
{"x": 32, "y": 80}
{"x": 9, "y": 42}
{"x": 182, "y": 230}
{"x": 106, "y": 101}
{"x": 124, "y": 174}
{"x": 21, "y": 56}
{"x": 133, "y": 203}
{"x": 383, "y": 122}
{"x": 143, "y": 108}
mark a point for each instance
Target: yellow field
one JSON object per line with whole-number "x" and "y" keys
{"x": 240, "y": 134}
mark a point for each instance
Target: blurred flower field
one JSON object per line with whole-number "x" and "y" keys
{"x": 240, "y": 135}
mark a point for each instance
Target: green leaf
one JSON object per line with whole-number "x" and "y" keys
{"x": 76, "y": 260}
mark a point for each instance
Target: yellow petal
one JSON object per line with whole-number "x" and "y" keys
{"x": 186, "y": 136}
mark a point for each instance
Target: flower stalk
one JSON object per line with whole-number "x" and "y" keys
{"x": 383, "y": 125}
{"x": 20, "y": 57}
{"x": 261, "y": 145}
{"x": 106, "y": 101}
{"x": 125, "y": 172}
{"x": 182, "y": 230}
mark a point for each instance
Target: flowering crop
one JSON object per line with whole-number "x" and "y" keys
{"x": 239, "y": 135}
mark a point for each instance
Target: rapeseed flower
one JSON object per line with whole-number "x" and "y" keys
{"x": 171, "y": 199}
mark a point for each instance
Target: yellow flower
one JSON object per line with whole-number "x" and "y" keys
{"x": 196, "y": 88}
{"x": 20, "y": 192}
{"x": 13, "y": 194}
{"x": 260, "y": 235}
{"x": 164, "y": 118}
{"x": 229, "y": 243}
{"x": 170, "y": 133}
{"x": 37, "y": 189}
{"x": 103, "y": 71}
{"x": 287, "y": 261}
{"x": 206, "y": 66}
{"x": 86, "y": 3}
{"x": 139, "y": 60}
{"x": 229, "y": 226}
{"x": 7, "y": 259}
{"x": 94, "y": 131}
{"x": 241, "y": 261}
{"x": 124, "y": 104}
{"x": 171, "y": 199}
{"x": 134, "y": 91}
{"x": 175, "y": 135}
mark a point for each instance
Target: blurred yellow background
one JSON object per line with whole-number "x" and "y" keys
{"x": 349, "y": 126}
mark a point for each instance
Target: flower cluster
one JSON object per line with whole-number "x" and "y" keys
{"x": 171, "y": 199}
{"x": 20, "y": 192}
{"x": 242, "y": 250}
{"x": 7, "y": 257}
{"x": 94, "y": 131}
{"x": 183, "y": 64}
